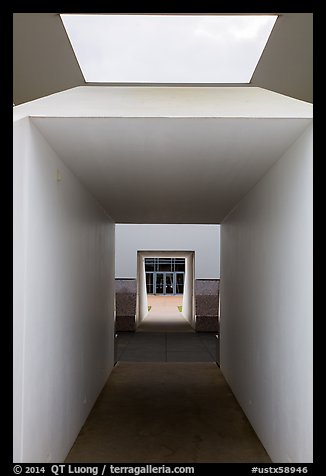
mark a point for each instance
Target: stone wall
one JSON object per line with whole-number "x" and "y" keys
{"x": 206, "y": 305}
{"x": 126, "y": 298}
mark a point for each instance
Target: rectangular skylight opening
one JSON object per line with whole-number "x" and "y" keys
{"x": 168, "y": 48}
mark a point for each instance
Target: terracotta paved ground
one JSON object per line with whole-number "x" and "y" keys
{"x": 165, "y": 316}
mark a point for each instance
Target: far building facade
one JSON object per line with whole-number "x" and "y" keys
{"x": 172, "y": 260}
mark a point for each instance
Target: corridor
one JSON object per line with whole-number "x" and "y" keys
{"x": 164, "y": 412}
{"x": 166, "y": 401}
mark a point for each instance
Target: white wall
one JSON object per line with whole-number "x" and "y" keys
{"x": 266, "y": 305}
{"x": 203, "y": 239}
{"x": 19, "y": 258}
{"x": 188, "y": 308}
{"x": 63, "y": 300}
{"x": 142, "y": 301}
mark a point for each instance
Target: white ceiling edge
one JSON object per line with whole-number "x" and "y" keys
{"x": 133, "y": 101}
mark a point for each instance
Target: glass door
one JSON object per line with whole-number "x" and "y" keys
{"x": 179, "y": 283}
{"x": 165, "y": 284}
{"x": 159, "y": 285}
{"x": 169, "y": 287}
{"x": 150, "y": 283}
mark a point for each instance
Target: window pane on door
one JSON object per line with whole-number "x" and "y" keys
{"x": 169, "y": 283}
{"x": 179, "y": 283}
{"x": 159, "y": 283}
{"x": 149, "y": 283}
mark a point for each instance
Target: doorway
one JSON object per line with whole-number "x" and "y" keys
{"x": 165, "y": 276}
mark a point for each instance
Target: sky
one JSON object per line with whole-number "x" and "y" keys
{"x": 167, "y": 48}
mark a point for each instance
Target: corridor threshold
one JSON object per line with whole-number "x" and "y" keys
{"x": 165, "y": 316}
{"x": 167, "y": 412}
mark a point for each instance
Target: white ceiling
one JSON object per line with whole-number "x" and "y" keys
{"x": 169, "y": 170}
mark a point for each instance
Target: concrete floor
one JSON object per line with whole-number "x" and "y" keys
{"x": 166, "y": 401}
{"x": 164, "y": 412}
{"x": 166, "y": 347}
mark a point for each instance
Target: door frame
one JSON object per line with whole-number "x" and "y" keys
{"x": 188, "y": 303}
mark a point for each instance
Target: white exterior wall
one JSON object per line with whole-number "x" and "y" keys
{"x": 266, "y": 305}
{"x": 19, "y": 259}
{"x": 63, "y": 300}
{"x": 203, "y": 239}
